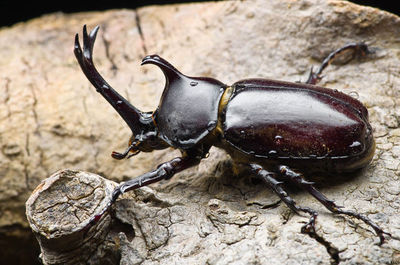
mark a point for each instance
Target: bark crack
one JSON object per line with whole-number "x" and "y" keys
{"x": 330, "y": 248}
{"x": 34, "y": 112}
{"x": 140, "y": 30}
{"x": 28, "y": 153}
{"x": 142, "y": 233}
{"x": 26, "y": 174}
{"x": 7, "y": 96}
{"x": 107, "y": 43}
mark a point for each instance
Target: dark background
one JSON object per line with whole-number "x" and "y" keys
{"x": 15, "y": 11}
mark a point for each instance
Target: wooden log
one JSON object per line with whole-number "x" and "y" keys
{"x": 59, "y": 211}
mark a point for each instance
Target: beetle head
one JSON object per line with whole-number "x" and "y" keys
{"x": 143, "y": 139}
{"x": 145, "y": 133}
{"x": 141, "y": 123}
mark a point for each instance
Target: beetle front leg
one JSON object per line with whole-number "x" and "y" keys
{"x": 164, "y": 171}
{"x": 358, "y": 49}
{"x": 297, "y": 179}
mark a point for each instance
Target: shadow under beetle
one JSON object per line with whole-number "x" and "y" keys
{"x": 274, "y": 128}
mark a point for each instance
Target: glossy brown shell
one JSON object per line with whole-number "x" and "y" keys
{"x": 188, "y": 109}
{"x": 292, "y": 121}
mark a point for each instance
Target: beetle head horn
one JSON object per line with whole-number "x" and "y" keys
{"x": 135, "y": 119}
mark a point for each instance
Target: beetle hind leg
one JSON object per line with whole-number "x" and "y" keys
{"x": 359, "y": 49}
{"x": 297, "y": 179}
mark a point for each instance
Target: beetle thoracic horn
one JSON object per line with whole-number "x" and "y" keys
{"x": 170, "y": 72}
{"x": 128, "y": 112}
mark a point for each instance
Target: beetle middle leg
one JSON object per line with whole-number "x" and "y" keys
{"x": 297, "y": 179}
{"x": 358, "y": 49}
{"x": 276, "y": 186}
{"x": 309, "y": 227}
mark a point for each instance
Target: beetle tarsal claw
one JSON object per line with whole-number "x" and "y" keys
{"x": 119, "y": 156}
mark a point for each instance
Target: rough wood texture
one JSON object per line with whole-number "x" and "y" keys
{"x": 51, "y": 118}
{"x": 59, "y": 212}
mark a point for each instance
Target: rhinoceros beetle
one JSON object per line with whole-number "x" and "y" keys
{"x": 273, "y": 128}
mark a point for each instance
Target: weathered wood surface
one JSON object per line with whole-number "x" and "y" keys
{"x": 60, "y": 211}
{"x": 51, "y": 118}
